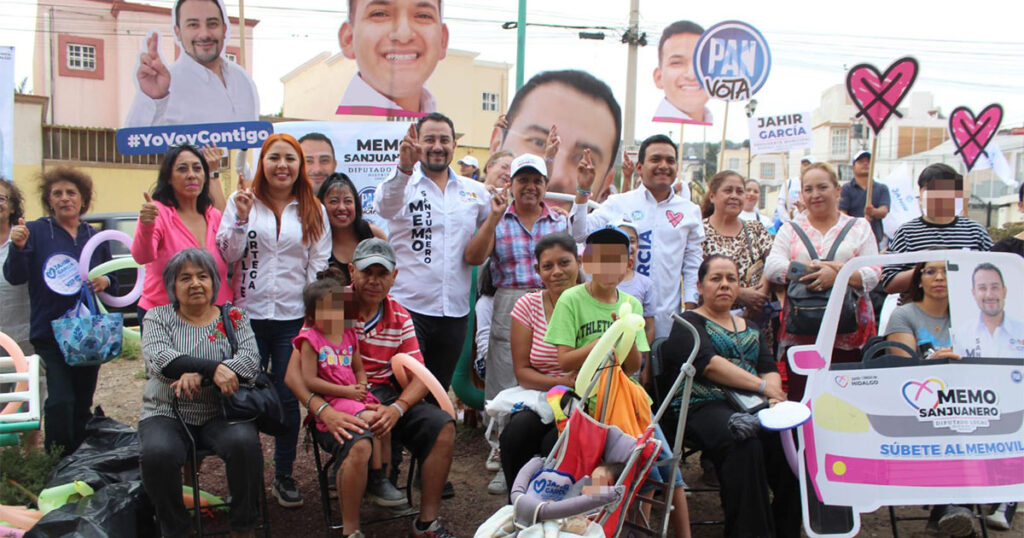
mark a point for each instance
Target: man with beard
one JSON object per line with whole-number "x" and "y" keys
{"x": 319, "y": 153}
{"x": 431, "y": 214}
{"x": 996, "y": 334}
{"x": 202, "y": 86}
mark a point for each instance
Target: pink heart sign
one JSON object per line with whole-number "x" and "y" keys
{"x": 876, "y": 95}
{"x": 971, "y": 133}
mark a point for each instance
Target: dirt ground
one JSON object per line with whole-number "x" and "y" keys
{"x": 120, "y": 391}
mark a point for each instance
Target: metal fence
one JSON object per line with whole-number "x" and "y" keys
{"x": 88, "y": 145}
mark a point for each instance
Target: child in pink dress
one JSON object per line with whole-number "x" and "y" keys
{"x": 331, "y": 365}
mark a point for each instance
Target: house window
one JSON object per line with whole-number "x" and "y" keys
{"x": 734, "y": 164}
{"x": 490, "y": 102}
{"x": 81, "y": 57}
{"x": 767, "y": 170}
{"x": 840, "y": 141}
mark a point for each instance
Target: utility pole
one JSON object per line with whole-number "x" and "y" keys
{"x": 241, "y": 34}
{"x": 520, "y": 44}
{"x": 633, "y": 39}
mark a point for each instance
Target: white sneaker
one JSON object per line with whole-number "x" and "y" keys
{"x": 494, "y": 460}
{"x": 497, "y": 485}
{"x": 997, "y": 519}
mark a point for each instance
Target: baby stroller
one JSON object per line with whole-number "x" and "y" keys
{"x": 548, "y": 494}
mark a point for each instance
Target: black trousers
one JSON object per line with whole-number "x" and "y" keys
{"x": 524, "y": 438}
{"x": 441, "y": 341}
{"x": 746, "y": 470}
{"x": 69, "y": 391}
{"x": 165, "y": 447}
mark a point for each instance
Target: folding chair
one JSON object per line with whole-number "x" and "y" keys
{"x": 191, "y": 471}
{"x": 324, "y": 478}
{"x": 23, "y": 404}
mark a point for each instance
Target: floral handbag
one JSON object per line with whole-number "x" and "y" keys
{"x": 87, "y": 337}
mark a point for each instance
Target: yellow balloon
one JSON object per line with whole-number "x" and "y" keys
{"x": 619, "y": 337}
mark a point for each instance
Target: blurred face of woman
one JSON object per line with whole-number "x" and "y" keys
{"x": 819, "y": 193}
{"x": 753, "y": 196}
{"x": 933, "y": 281}
{"x": 498, "y": 174}
{"x": 193, "y": 286}
{"x": 729, "y": 197}
{"x": 281, "y": 166}
{"x": 5, "y": 203}
{"x": 187, "y": 177}
{"x": 558, "y": 269}
{"x": 340, "y": 204}
{"x": 720, "y": 285}
{"x": 65, "y": 200}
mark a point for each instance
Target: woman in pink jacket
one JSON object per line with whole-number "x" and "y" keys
{"x": 179, "y": 215}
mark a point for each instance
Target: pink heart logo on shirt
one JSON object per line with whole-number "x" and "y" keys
{"x": 673, "y": 217}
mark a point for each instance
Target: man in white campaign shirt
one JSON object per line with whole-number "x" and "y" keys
{"x": 431, "y": 214}
{"x": 202, "y": 86}
{"x": 996, "y": 334}
{"x": 670, "y": 230}
{"x": 789, "y": 203}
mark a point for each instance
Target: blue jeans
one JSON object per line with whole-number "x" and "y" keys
{"x": 69, "y": 391}
{"x": 274, "y": 340}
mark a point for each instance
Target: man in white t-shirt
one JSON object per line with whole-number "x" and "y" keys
{"x": 789, "y": 203}
{"x": 670, "y": 230}
{"x": 396, "y": 45}
{"x": 995, "y": 335}
{"x": 431, "y": 214}
{"x": 202, "y": 86}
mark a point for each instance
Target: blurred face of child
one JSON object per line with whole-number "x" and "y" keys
{"x": 330, "y": 312}
{"x": 607, "y": 264}
{"x": 940, "y": 197}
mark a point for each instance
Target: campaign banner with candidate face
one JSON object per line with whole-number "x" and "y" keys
{"x": 986, "y": 322}
{"x": 899, "y": 428}
{"x": 7, "y": 113}
{"x": 367, "y": 152}
{"x": 781, "y": 132}
{"x": 685, "y": 99}
{"x": 396, "y": 46}
{"x": 201, "y": 85}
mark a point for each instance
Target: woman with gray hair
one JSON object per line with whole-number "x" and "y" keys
{"x": 184, "y": 343}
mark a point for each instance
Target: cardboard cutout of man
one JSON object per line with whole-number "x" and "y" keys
{"x": 202, "y": 86}
{"x": 586, "y": 114}
{"x": 396, "y": 45}
{"x": 685, "y": 100}
{"x": 995, "y": 334}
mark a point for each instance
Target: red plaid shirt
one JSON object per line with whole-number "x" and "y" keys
{"x": 512, "y": 260}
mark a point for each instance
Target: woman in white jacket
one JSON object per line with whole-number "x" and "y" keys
{"x": 276, "y": 235}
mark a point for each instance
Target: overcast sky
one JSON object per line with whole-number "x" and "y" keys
{"x": 968, "y": 56}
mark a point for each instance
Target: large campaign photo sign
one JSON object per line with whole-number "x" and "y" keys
{"x": 902, "y": 428}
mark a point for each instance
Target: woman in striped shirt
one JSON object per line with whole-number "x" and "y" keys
{"x": 183, "y": 343}
{"x": 535, "y": 361}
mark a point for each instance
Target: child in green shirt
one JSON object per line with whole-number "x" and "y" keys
{"x": 584, "y": 312}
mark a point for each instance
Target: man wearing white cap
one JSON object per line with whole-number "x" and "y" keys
{"x": 469, "y": 167}
{"x": 853, "y": 198}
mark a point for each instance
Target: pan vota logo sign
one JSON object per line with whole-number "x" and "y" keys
{"x": 961, "y": 409}
{"x": 732, "y": 60}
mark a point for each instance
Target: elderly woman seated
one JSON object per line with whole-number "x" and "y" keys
{"x": 184, "y": 343}
{"x": 731, "y": 355}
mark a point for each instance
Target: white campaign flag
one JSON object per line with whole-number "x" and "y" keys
{"x": 903, "y": 205}
{"x": 997, "y": 162}
{"x": 7, "y": 113}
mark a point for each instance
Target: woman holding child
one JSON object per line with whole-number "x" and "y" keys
{"x": 732, "y": 355}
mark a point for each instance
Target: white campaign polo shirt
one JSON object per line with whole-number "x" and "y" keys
{"x": 671, "y": 244}
{"x": 271, "y": 268}
{"x": 429, "y": 231}
{"x": 1007, "y": 342}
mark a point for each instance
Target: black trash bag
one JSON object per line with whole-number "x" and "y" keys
{"x": 116, "y": 511}
{"x": 109, "y": 455}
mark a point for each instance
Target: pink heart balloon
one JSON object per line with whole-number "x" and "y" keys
{"x": 971, "y": 133}
{"x": 876, "y": 95}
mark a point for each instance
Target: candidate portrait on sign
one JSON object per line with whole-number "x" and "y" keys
{"x": 994, "y": 332}
{"x": 202, "y": 85}
{"x": 685, "y": 100}
{"x": 396, "y": 45}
